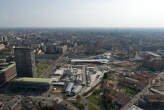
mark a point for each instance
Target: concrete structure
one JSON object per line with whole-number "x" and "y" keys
{"x": 157, "y": 91}
{"x": 153, "y": 54}
{"x": 61, "y": 49}
{"x": 76, "y": 89}
{"x": 33, "y": 85}
{"x": 55, "y": 79}
{"x": 84, "y": 78}
{"x": 144, "y": 91}
{"x": 25, "y": 62}
{"x": 133, "y": 107}
{"x": 58, "y": 83}
{"x": 154, "y": 102}
{"x": 59, "y": 72}
{"x": 7, "y": 72}
{"x": 69, "y": 87}
{"x": 49, "y": 48}
{"x": 153, "y": 61}
{"x": 103, "y": 61}
{"x": 2, "y": 46}
{"x": 119, "y": 99}
{"x": 45, "y": 81}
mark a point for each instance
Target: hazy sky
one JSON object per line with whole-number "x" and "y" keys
{"x": 81, "y": 13}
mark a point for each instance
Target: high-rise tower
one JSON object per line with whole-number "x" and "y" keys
{"x": 25, "y": 62}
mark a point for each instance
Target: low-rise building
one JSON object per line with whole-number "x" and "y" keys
{"x": 154, "y": 102}
{"x": 76, "y": 89}
{"x": 153, "y": 61}
{"x": 118, "y": 98}
{"x": 59, "y": 72}
{"x": 2, "y": 46}
{"x": 31, "y": 84}
{"x": 7, "y": 72}
{"x": 133, "y": 107}
{"x": 61, "y": 49}
{"x": 69, "y": 87}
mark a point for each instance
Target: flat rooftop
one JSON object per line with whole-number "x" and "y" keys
{"x": 5, "y": 68}
{"x": 23, "y": 48}
{"x": 153, "y": 54}
{"x": 133, "y": 107}
{"x": 90, "y": 60}
{"x": 33, "y": 80}
{"x": 155, "y": 98}
{"x": 59, "y": 72}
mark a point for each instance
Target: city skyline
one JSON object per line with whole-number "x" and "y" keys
{"x": 86, "y": 13}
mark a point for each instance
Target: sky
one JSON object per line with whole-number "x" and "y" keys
{"x": 82, "y": 13}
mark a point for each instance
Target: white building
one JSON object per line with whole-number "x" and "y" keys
{"x": 59, "y": 72}
{"x": 55, "y": 79}
{"x": 69, "y": 87}
{"x": 76, "y": 89}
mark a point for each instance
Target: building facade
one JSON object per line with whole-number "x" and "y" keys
{"x": 7, "y": 73}
{"x": 25, "y": 62}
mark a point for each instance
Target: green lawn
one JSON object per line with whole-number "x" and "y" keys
{"x": 128, "y": 91}
{"x": 42, "y": 67}
{"x": 94, "y": 101}
{"x": 108, "y": 76}
{"x": 93, "y": 104}
{"x": 92, "y": 107}
{"x": 77, "y": 104}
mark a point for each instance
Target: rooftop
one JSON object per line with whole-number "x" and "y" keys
{"x": 118, "y": 97}
{"x": 90, "y": 60}
{"x": 155, "y": 98}
{"x": 153, "y": 54}
{"x": 59, "y": 72}
{"x": 5, "y": 68}
{"x": 28, "y": 48}
{"x": 133, "y": 107}
{"x": 33, "y": 80}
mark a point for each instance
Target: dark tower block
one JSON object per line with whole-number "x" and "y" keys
{"x": 25, "y": 62}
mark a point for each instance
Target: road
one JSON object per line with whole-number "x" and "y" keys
{"x": 52, "y": 68}
{"x": 52, "y": 98}
{"x": 86, "y": 89}
{"x": 84, "y": 76}
{"x": 137, "y": 97}
{"x": 85, "y": 103}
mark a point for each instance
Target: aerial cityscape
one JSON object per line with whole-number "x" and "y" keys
{"x": 56, "y": 58}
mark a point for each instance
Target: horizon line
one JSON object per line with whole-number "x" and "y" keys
{"x": 26, "y": 27}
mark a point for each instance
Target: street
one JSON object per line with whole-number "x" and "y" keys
{"x": 137, "y": 97}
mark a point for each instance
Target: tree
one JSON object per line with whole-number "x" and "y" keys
{"x": 107, "y": 103}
